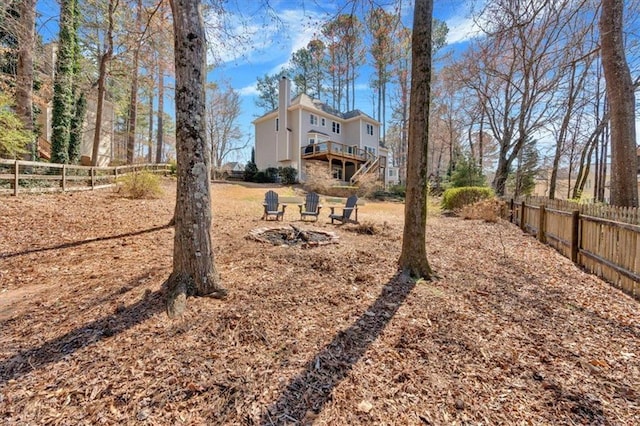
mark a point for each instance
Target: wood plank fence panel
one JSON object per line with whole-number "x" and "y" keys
{"x": 558, "y": 230}
{"x": 604, "y": 240}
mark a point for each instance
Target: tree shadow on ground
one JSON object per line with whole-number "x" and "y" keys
{"x": 57, "y": 349}
{"x": 312, "y": 389}
{"x": 80, "y": 243}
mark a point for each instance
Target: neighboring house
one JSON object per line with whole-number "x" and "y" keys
{"x": 305, "y": 129}
{"x": 232, "y": 166}
{"x": 44, "y": 119}
{"x": 393, "y": 175}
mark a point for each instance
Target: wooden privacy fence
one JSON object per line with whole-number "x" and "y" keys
{"x": 604, "y": 240}
{"x": 31, "y": 176}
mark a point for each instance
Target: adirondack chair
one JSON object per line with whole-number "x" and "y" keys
{"x": 311, "y": 206}
{"x": 271, "y": 205}
{"x": 345, "y": 217}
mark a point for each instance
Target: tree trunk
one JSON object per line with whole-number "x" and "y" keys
{"x": 194, "y": 272}
{"x": 160, "y": 127}
{"x": 413, "y": 258}
{"x": 620, "y": 93}
{"x": 150, "y": 151}
{"x": 102, "y": 78}
{"x": 24, "y": 77}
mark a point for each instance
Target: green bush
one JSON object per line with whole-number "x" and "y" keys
{"x": 173, "y": 167}
{"x": 138, "y": 185}
{"x": 13, "y": 137}
{"x": 456, "y": 198}
{"x": 288, "y": 175}
{"x": 250, "y": 171}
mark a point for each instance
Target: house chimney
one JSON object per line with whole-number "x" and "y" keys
{"x": 284, "y": 100}
{"x": 284, "y": 92}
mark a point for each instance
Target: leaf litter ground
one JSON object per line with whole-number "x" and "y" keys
{"x": 510, "y": 333}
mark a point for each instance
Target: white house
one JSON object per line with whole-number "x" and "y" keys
{"x": 304, "y": 129}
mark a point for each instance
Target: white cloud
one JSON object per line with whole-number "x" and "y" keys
{"x": 462, "y": 20}
{"x": 251, "y": 90}
{"x": 260, "y": 38}
{"x": 461, "y": 28}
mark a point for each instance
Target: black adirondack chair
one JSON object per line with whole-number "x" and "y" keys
{"x": 271, "y": 206}
{"x": 311, "y": 207}
{"x": 350, "y": 207}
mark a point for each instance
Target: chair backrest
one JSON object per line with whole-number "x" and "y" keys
{"x": 311, "y": 202}
{"x": 351, "y": 203}
{"x": 271, "y": 201}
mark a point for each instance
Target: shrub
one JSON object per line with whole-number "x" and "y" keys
{"x": 173, "y": 167}
{"x": 487, "y": 210}
{"x": 272, "y": 174}
{"x": 457, "y": 198}
{"x": 318, "y": 177}
{"x": 138, "y": 185}
{"x": 250, "y": 171}
{"x": 368, "y": 185}
{"x": 13, "y": 137}
{"x": 288, "y": 175}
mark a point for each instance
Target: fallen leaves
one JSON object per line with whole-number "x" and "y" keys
{"x": 512, "y": 333}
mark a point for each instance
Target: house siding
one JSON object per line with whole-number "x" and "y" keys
{"x": 265, "y": 142}
{"x": 283, "y": 148}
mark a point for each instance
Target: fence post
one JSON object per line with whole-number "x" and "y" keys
{"x": 541, "y": 224}
{"x": 511, "y": 205}
{"x": 64, "y": 177}
{"x": 575, "y": 235}
{"x": 16, "y": 173}
{"x": 93, "y": 177}
{"x": 522, "y": 225}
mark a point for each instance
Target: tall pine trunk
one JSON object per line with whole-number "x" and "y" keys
{"x": 413, "y": 258}
{"x": 620, "y": 93}
{"x": 194, "y": 272}
{"x": 24, "y": 77}
{"x": 160, "y": 127}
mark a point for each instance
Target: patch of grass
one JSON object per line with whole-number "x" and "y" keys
{"x": 139, "y": 185}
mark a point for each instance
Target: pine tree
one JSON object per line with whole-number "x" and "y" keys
{"x": 63, "y": 101}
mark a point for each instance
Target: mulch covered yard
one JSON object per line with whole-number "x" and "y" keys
{"x": 510, "y": 333}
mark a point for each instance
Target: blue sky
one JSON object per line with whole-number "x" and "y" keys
{"x": 268, "y": 44}
{"x": 270, "y": 47}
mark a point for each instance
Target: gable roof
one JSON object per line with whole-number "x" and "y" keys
{"x": 305, "y": 101}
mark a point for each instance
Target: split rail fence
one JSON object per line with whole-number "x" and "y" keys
{"x": 604, "y": 240}
{"x": 31, "y": 176}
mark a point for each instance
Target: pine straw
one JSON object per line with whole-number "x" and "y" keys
{"x": 511, "y": 333}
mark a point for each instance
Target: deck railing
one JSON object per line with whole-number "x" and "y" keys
{"x": 335, "y": 148}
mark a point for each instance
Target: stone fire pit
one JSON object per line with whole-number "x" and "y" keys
{"x": 293, "y": 236}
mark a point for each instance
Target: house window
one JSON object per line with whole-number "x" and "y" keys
{"x": 369, "y": 129}
{"x": 335, "y": 127}
{"x": 277, "y": 124}
{"x": 323, "y": 122}
{"x": 371, "y": 150}
{"x": 313, "y": 119}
